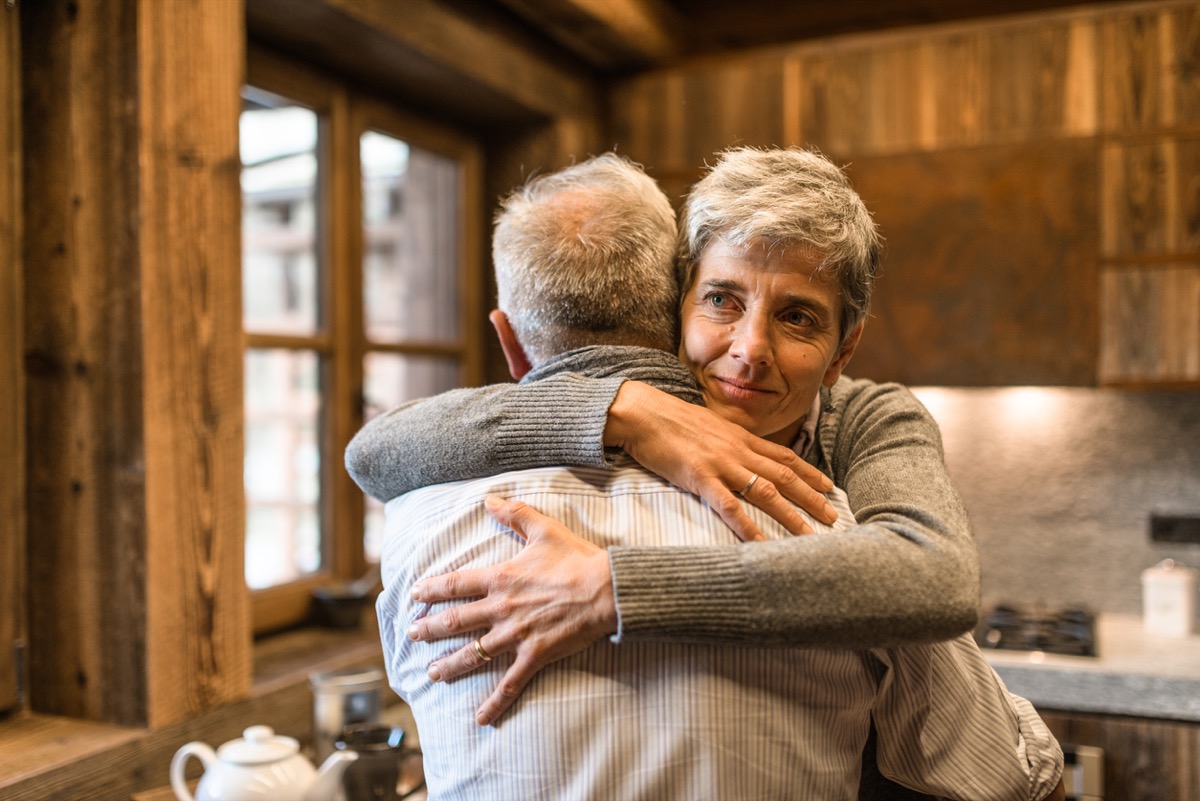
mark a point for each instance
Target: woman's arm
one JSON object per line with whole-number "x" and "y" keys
{"x": 907, "y": 572}
{"x": 570, "y": 419}
{"x": 476, "y": 432}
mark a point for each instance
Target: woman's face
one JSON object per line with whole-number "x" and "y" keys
{"x": 761, "y": 334}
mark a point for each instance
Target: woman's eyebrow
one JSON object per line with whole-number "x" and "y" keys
{"x": 719, "y": 283}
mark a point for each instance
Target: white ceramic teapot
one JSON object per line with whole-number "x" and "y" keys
{"x": 262, "y": 766}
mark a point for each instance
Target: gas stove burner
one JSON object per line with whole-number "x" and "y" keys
{"x": 1065, "y": 631}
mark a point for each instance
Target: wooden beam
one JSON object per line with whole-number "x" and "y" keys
{"x": 198, "y": 636}
{"x": 463, "y": 68}
{"x": 611, "y": 34}
{"x": 12, "y": 398}
{"x": 140, "y": 614}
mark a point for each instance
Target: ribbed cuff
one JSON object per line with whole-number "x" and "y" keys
{"x": 681, "y": 593}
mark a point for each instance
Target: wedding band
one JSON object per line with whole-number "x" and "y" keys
{"x": 484, "y": 655}
{"x": 749, "y": 484}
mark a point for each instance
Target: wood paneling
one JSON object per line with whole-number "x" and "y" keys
{"x": 12, "y": 397}
{"x": 1006, "y": 162}
{"x": 134, "y": 359}
{"x": 189, "y": 247}
{"x": 1144, "y": 760}
{"x": 1150, "y": 326}
{"x": 989, "y": 273}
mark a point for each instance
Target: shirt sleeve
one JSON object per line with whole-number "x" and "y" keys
{"x": 476, "y": 432}
{"x": 948, "y": 727}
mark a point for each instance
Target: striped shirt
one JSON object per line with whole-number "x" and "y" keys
{"x": 680, "y": 721}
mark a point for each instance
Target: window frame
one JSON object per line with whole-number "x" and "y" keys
{"x": 344, "y": 114}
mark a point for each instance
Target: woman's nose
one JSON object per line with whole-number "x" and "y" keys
{"x": 751, "y": 341}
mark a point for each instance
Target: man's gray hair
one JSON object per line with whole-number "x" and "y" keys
{"x": 585, "y": 256}
{"x": 785, "y": 198}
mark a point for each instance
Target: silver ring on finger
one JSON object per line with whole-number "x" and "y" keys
{"x": 749, "y": 484}
{"x": 484, "y": 655}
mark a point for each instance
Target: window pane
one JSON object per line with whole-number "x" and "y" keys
{"x": 410, "y": 263}
{"x": 278, "y": 141}
{"x": 390, "y": 380}
{"x": 282, "y": 466}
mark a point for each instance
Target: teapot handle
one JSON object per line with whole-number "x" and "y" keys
{"x": 178, "y": 780}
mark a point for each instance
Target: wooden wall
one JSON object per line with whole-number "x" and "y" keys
{"x": 12, "y": 384}
{"x": 1035, "y": 178}
{"x": 132, "y": 335}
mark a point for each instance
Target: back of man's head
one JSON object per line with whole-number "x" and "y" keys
{"x": 585, "y": 256}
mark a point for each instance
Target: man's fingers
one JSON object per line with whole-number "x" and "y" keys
{"x": 452, "y": 586}
{"x": 526, "y": 521}
{"x": 451, "y": 621}
{"x": 467, "y": 659}
{"x": 515, "y": 680}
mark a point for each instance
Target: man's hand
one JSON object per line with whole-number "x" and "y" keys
{"x": 552, "y": 600}
{"x": 700, "y": 452}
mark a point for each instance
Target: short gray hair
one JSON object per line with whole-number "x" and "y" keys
{"x": 585, "y": 256}
{"x": 785, "y": 198}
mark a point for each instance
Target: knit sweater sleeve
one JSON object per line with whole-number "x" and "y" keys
{"x": 476, "y": 432}
{"x": 907, "y": 572}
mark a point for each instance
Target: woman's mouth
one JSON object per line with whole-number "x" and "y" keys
{"x": 735, "y": 389}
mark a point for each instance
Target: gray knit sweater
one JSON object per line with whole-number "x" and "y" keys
{"x": 908, "y": 572}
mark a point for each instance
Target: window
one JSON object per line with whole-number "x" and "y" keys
{"x": 360, "y": 291}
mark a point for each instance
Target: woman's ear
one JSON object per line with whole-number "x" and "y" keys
{"x": 845, "y": 351}
{"x": 514, "y": 353}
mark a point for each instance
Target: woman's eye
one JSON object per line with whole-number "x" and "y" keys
{"x": 717, "y": 300}
{"x": 797, "y": 317}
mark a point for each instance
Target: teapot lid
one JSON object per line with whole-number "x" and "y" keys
{"x": 259, "y": 744}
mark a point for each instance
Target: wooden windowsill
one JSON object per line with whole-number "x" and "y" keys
{"x": 69, "y": 759}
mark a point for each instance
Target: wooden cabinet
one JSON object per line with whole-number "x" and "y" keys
{"x": 1144, "y": 760}
{"x": 1037, "y": 181}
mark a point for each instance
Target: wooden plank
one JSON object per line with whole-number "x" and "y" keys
{"x": 468, "y": 65}
{"x": 1150, "y": 324}
{"x": 12, "y": 398}
{"x": 140, "y": 615}
{"x": 1131, "y": 74}
{"x": 84, "y": 379}
{"x": 1149, "y": 198}
{"x": 612, "y": 34}
{"x": 1181, "y": 35}
{"x": 198, "y": 617}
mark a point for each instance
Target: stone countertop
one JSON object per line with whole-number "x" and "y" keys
{"x": 1134, "y": 674}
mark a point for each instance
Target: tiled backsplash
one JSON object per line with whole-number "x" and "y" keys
{"x": 1060, "y": 485}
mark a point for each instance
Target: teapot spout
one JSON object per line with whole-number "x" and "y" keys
{"x": 329, "y": 777}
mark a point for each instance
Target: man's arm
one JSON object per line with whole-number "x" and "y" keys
{"x": 947, "y": 726}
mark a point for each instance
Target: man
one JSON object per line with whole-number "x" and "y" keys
{"x": 583, "y": 258}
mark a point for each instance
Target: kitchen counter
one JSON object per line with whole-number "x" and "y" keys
{"x": 1135, "y": 674}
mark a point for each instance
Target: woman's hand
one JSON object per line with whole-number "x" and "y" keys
{"x": 706, "y": 455}
{"x": 552, "y": 600}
